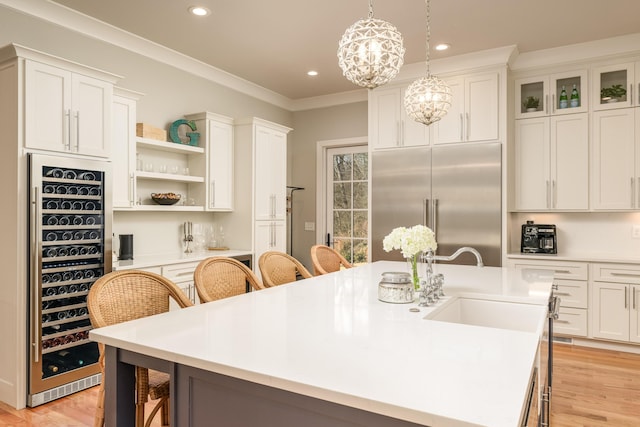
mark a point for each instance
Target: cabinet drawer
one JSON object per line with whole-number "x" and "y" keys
{"x": 572, "y": 293}
{"x": 617, "y": 273}
{"x": 179, "y": 272}
{"x": 571, "y": 321}
{"x": 561, "y": 269}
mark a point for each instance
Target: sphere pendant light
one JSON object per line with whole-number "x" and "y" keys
{"x": 427, "y": 99}
{"x": 370, "y": 52}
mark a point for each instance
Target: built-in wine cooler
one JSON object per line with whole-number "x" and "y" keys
{"x": 70, "y": 233}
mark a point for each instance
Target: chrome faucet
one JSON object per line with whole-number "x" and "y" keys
{"x": 430, "y": 257}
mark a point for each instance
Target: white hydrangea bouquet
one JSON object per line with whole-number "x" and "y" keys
{"x": 412, "y": 242}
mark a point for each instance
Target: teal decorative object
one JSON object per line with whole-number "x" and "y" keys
{"x": 192, "y": 137}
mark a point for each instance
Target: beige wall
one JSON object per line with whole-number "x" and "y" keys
{"x": 345, "y": 121}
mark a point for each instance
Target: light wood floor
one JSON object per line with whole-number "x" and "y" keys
{"x": 591, "y": 388}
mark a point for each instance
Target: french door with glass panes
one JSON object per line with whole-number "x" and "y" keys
{"x": 347, "y": 217}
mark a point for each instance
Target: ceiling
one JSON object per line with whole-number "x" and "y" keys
{"x": 274, "y": 43}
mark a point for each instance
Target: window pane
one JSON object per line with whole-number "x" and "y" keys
{"x": 360, "y": 166}
{"x": 342, "y": 196}
{"x": 360, "y": 224}
{"x": 343, "y": 247}
{"x": 359, "y": 251}
{"x": 342, "y": 223}
{"x": 360, "y": 195}
{"x": 342, "y": 167}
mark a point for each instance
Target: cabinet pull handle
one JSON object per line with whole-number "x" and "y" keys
{"x": 625, "y": 274}
{"x": 638, "y": 188}
{"x": 626, "y": 297}
{"x": 548, "y": 195}
{"x": 461, "y": 127}
{"x": 554, "y": 193}
{"x": 553, "y": 103}
{"x": 630, "y": 94}
{"x": 562, "y": 271}
{"x": 468, "y": 125}
{"x": 402, "y": 133}
{"x": 633, "y": 192}
{"x": 77, "y": 138}
{"x": 66, "y": 138}
{"x": 634, "y": 297}
{"x": 562, "y": 294}
{"x": 398, "y": 141}
{"x": 561, "y": 321}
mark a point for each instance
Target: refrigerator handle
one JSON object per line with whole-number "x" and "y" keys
{"x": 425, "y": 212}
{"x": 36, "y": 232}
{"x": 434, "y": 210}
{"x": 329, "y": 239}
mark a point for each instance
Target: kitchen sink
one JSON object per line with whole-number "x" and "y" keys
{"x": 492, "y": 314}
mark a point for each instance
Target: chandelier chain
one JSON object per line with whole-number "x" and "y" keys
{"x": 428, "y": 2}
{"x": 370, "y": 9}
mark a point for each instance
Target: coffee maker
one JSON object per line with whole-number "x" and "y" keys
{"x": 538, "y": 239}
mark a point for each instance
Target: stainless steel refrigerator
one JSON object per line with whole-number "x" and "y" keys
{"x": 70, "y": 248}
{"x": 453, "y": 189}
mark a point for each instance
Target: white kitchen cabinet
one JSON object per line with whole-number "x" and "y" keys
{"x": 615, "y": 168}
{"x": 259, "y": 217}
{"x": 270, "y": 159}
{"x": 270, "y": 236}
{"x": 552, "y": 163}
{"x": 67, "y": 111}
{"x": 615, "y": 300}
{"x": 474, "y": 112}
{"x": 619, "y": 77}
{"x": 123, "y": 158}
{"x": 547, "y": 90}
{"x": 389, "y": 125}
{"x": 571, "y": 286}
{"x": 217, "y": 132}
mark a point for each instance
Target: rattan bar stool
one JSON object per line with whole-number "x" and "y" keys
{"x": 118, "y": 297}
{"x": 221, "y": 277}
{"x": 327, "y": 260}
{"x": 278, "y": 268}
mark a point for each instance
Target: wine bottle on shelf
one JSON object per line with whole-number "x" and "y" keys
{"x": 575, "y": 97}
{"x": 564, "y": 101}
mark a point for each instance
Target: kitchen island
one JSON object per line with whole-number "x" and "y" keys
{"x": 325, "y": 352}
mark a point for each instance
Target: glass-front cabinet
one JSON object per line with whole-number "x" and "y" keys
{"x": 553, "y": 94}
{"x": 613, "y": 86}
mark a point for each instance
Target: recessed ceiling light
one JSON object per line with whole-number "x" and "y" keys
{"x": 312, "y": 73}
{"x": 199, "y": 10}
{"x": 442, "y": 46}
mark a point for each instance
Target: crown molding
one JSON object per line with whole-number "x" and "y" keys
{"x": 311, "y": 103}
{"x": 93, "y": 28}
{"x": 627, "y": 44}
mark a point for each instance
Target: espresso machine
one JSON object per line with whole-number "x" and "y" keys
{"x": 538, "y": 238}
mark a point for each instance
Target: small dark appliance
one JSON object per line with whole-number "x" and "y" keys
{"x": 126, "y": 247}
{"x": 538, "y": 238}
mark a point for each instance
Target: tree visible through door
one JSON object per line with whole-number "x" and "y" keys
{"x": 348, "y": 202}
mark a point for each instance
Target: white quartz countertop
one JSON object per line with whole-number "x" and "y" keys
{"x": 146, "y": 261}
{"x": 329, "y": 337}
{"x": 581, "y": 257}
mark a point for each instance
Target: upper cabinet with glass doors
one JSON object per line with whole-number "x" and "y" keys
{"x": 553, "y": 94}
{"x": 613, "y": 86}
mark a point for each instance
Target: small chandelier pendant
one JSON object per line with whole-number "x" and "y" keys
{"x": 427, "y": 99}
{"x": 371, "y": 52}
